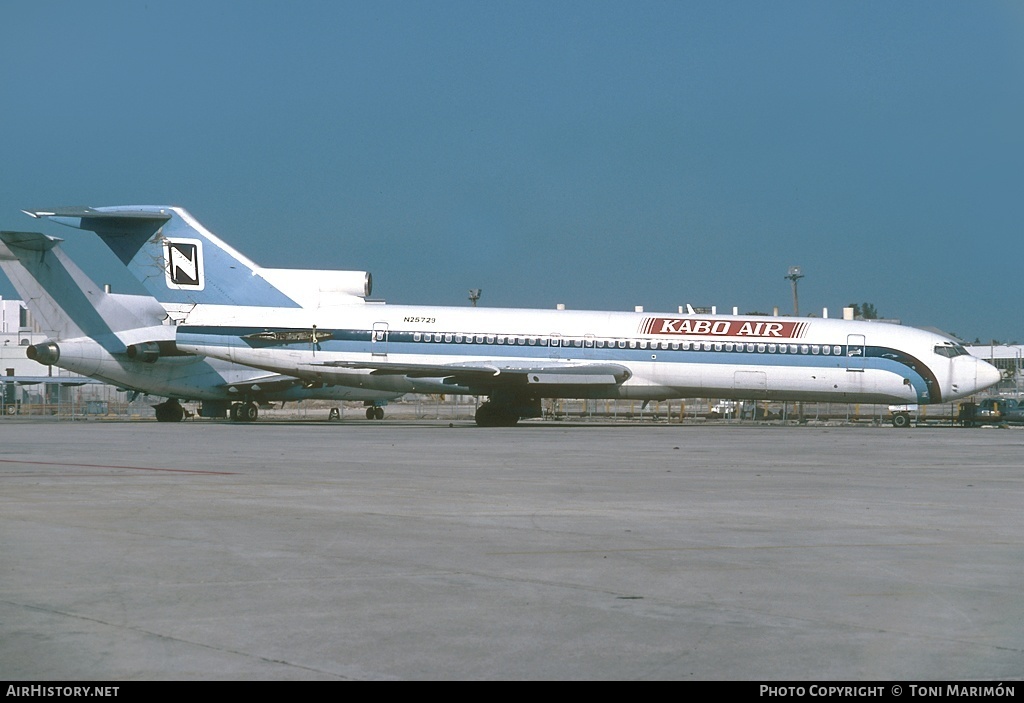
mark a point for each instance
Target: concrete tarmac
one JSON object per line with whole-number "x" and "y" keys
{"x": 394, "y": 550}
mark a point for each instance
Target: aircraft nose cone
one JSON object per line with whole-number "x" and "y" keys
{"x": 988, "y": 375}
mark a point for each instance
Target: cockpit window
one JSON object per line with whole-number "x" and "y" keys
{"x": 950, "y": 350}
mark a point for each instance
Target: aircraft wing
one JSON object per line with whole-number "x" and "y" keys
{"x": 495, "y": 373}
{"x": 271, "y": 383}
{"x": 54, "y": 380}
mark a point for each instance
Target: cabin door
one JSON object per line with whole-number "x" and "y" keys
{"x": 856, "y": 351}
{"x": 379, "y": 339}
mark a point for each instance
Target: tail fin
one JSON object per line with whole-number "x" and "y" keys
{"x": 181, "y": 262}
{"x": 68, "y": 304}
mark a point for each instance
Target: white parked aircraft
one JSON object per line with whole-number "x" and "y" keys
{"x": 123, "y": 340}
{"x": 229, "y": 308}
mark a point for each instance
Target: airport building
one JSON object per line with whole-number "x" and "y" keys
{"x": 32, "y": 392}
{"x": 17, "y": 332}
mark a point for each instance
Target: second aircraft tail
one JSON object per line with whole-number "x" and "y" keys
{"x": 67, "y": 304}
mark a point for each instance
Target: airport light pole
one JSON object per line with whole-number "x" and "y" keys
{"x": 794, "y": 275}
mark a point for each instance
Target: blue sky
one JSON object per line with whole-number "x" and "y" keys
{"x": 597, "y": 154}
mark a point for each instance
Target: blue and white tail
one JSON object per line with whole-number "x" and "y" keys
{"x": 67, "y": 304}
{"x": 181, "y": 262}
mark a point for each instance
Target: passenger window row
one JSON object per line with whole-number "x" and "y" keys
{"x": 592, "y": 343}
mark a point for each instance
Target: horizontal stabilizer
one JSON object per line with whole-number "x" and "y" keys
{"x": 125, "y": 230}
{"x": 30, "y": 241}
{"x": 88, "y": 213}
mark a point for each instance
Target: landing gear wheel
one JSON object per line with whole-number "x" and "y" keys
{"x": 378, "y": 413}
{"x": 169, "y": 411}
{"x": 244, "y": 412}
{"x": 488, "y": 415}
{"x": 901, "y": 420}
{"x": 370, "y": 413}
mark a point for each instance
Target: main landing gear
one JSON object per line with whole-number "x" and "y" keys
{"x": 244, "y": 412}
{"x": 506, "y": 409}
{"x": 375, "y": 413}
{"x": 491, "y": 415}
{"x": 169, "y": 411}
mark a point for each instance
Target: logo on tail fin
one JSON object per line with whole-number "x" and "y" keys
{"x": 183, "y": 264}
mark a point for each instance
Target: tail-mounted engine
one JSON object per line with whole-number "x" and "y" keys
{"x": 46, "y": 353}
{"x": 149, "y": 352}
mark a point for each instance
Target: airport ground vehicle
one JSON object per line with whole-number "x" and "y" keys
{"x": 991, "y": 411}
{"x": 902, "y": 414}
{"x": 744, "y": 409}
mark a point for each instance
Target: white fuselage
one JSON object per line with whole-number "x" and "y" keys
{"x": 667, "y": 355}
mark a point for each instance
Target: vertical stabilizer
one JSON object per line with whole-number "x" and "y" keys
{"x": 181, "y": 263}
{"x": 176, "y": 258}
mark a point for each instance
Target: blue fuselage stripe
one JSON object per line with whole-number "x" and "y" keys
{"x": 356, "y": 341}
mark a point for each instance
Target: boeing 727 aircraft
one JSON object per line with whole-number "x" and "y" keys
{"x": 226, "y": 308}
{"x": 122, "y": 340}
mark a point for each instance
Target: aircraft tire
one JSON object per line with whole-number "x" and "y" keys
{"x": 370, "y": 413}
{"x": 378, "y": 413}
{"x": 901, "y": 420}
{"x": 169, "y": 411}
{"x": 488, "y": 415}
{"x": 250, "y": 412}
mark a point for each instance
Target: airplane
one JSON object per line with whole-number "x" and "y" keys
{"x": 124, "y": 340}
{"x": 516, "y": 357}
